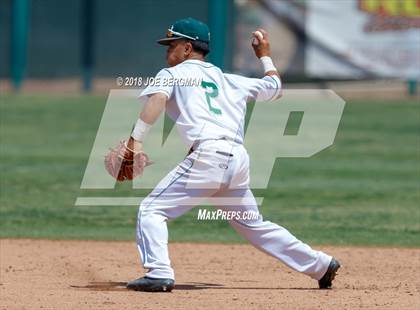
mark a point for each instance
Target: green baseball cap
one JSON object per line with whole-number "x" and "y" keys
{"x": 187, "y": 28}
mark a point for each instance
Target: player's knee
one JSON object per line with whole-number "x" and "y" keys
{"x": 145, "y": 220}
{"x": 148, "y": 219}
{"x": 145, "y": 203}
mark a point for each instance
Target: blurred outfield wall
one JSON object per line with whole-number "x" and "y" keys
{"x": 310, "y": 40}
{"x": 125, "y": 35}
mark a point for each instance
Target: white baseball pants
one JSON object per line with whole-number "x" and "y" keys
{"x": 211, "y": 172}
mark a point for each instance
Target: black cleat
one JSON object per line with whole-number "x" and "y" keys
{"x": 326, "y": 280}
{"x": 146, "y": 284}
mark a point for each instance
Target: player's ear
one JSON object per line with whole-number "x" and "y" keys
{"x": 188, "y": 49}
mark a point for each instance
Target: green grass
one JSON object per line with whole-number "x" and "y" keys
{"x": 363, "y": 190}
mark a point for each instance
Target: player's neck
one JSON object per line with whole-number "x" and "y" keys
{"x": 195, "y": 57}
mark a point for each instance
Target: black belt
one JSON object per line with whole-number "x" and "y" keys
{"x": 224, "y": 153}
{"x": 195, "y": 146}
{"x": 218, "y": 152}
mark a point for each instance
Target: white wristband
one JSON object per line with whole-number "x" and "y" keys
{"x": 267, "y": 63}
{"x": 140, "y": 130}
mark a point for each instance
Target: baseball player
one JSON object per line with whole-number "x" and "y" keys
{"x": 210, "y": 120}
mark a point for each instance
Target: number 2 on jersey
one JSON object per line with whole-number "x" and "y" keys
{"x": 212, "y": 94}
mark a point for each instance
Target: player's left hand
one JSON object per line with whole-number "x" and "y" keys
{"x": 135, "y": 146}
{"x": 127, "y": 160}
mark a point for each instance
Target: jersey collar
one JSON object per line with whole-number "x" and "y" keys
{"x": 199, "y": 62}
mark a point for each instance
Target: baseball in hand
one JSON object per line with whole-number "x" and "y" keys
{"x": 258, "y": 36}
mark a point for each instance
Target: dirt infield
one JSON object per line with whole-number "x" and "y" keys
{"x": 43, "y": 274}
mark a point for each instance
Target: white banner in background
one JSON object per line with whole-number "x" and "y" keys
{"x": 363, "y": 38}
